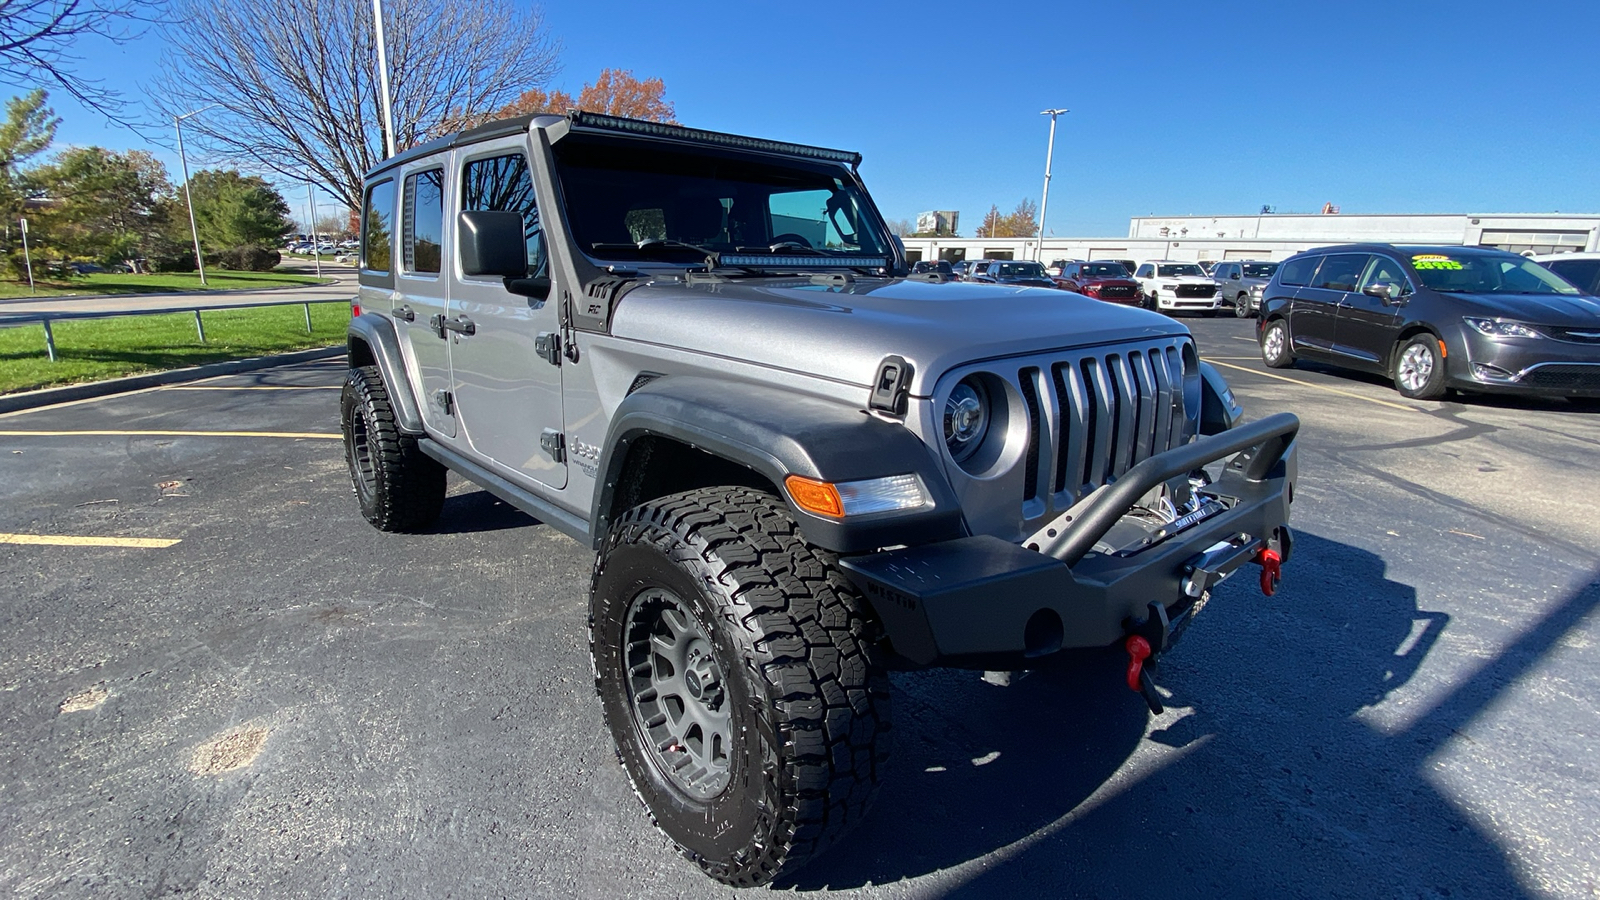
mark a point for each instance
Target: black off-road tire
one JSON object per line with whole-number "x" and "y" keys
{"x": 809, "y": 709}
{"x": 400, "y": 488}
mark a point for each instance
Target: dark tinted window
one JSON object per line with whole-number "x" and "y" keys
{"x": 1583, "y": 273}
{"x": 1259, "y": 270}
{"x": 1298, "y": 271}
{"x": 1105, "y": 270}
{"x": 423, "y": 222}
{"x": 503, "y": 183}
{"x": 1341, "y": 271}
{"x": 377, "y": 225}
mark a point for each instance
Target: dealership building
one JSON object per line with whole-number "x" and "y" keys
{"x": 1275, "y": 236}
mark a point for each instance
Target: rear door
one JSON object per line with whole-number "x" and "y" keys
{"x": 509, "y": 395}
{"x": 1314, "y": 314}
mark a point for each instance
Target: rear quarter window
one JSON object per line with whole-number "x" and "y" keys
{"x": 1298, "y": 271}
{"x": 377, "y": 228}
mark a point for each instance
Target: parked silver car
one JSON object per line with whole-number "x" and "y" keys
{"x": 1241, "y": 281}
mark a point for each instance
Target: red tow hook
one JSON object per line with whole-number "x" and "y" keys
{"x": 1271, "y": 570}
{"x": 1138, "y": 679}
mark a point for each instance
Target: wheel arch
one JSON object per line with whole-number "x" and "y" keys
{"x": 1406, "y": 334}
{"x": 680, "y": 433}
{"x": 371, "y": 341}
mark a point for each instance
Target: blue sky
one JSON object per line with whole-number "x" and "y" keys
{"x": 1176, "y": 107}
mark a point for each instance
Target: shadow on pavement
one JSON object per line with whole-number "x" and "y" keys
{"x": 479, "y": 511}
{"x": 1270, "y": 785}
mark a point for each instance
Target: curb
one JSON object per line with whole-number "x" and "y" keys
{"x": 92, "y": 389}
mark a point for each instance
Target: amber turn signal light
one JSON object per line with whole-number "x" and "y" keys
{"x": 812, "y": 496}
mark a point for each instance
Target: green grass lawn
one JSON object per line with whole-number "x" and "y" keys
{"x": 112, "y": 283}
{"x": 95, "y": 349}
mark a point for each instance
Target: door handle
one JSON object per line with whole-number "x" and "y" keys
{"x": 459, "y": 324}
{"x": 405, "y": 312}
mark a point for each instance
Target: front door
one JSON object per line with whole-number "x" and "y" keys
{"x": 1315, "y": 309}
{"x": 508, "y": 395}
{"x": 1368, "y": 326}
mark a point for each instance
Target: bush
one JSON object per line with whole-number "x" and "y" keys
{"x": 174, "y": 261}
{"x": 246, "y": 259}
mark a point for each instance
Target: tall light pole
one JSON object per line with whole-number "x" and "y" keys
{"x": 1049, "y": 153}
{"x": 188, "y": 189}
{"x": 383, "y": 78}
{"x": 316, "y": 242}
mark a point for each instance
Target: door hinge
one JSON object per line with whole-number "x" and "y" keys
{"x": 554, "y": 443}
{"x": 548, "y": 346}
{"x": 445, "y": 401}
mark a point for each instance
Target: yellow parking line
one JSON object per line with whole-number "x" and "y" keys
{"x": 1320, "y": 387}
{"x": 257, "y": 434}
{"x": 72, "y": 540}
{"x": 257, "y": 387}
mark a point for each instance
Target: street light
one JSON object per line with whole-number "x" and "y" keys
{"x": 1044, "y": 202}
{"x": 188, "y": 189}
{"x": 383, "y": 78}
{"x": 316, "y": 243}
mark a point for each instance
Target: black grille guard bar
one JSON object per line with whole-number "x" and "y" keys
{"x": 1268, "y": 440}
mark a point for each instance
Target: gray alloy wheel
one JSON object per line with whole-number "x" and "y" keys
{"x": 1275, "y": 350}
{"x": 1418, "y": 370}
{"x": 1241, "y": 306}
{"x": 677, "y": 693}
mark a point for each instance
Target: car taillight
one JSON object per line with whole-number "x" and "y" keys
{"x": 355, "y": 308}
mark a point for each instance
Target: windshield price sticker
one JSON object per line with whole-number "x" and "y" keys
{"x": 1434, "y": 261}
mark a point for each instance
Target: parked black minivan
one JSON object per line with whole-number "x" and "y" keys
{"x": 1433, "y": 319}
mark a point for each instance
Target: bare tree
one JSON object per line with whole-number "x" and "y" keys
{"x": 297, "y": 83}
{"x": 38, "y": 38}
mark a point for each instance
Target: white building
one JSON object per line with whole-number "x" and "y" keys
{"x": 1273, "y": 236}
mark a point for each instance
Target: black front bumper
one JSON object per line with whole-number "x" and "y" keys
{"x": 984, "y": 602}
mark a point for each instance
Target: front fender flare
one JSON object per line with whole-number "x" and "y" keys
{"x": 778, "y": 433}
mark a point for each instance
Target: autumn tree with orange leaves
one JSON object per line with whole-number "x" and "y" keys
{"x": 616, "y": 92}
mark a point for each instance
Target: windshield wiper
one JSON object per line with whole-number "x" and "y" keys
{"x": 655, "y": 246}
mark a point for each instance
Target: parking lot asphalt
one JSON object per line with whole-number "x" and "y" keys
{"x": 217, "y": 680}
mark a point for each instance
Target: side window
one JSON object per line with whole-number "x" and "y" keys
{"x": 377, "y": 225}
{"x": 1341, "y": 271}
{"x": 422, "y": 224}
{"x": 1584, "y": 274}
{"x": 1298, "y": 271}
{"x": 504, "y": 183}
{"x": 1384, "y": 270}
{"x": 1144, "y": 271}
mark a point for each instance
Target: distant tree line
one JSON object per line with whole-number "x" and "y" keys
{"x": 90, "y": 205}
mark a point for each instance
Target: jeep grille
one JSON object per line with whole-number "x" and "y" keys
{"x": 1093, "y": 414}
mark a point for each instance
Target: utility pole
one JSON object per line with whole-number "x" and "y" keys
{"x": 188, "y": 189}
{"x": 1049, "y": 153}
{"x": 26, "y": 256}
{"x": 383, "y": 79}
{"x": 316, "y": 243}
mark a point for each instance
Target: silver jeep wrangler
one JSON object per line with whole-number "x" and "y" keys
{"x": 799, "y": 467}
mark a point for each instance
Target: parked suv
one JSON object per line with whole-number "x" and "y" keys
{"x": 1107, "y": 281}
{"x": 1435, "y": 318}
{"x": 1241, "y": 283}
{"x": 701, "y": 356}
{"x": 1021, "y": 273}
{"x": 1581, "y": 270}
{"x": 1169, "y": 285}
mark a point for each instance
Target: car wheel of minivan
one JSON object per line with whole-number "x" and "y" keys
{"x": 1419, "y": 369}
{"x": 1275, "y": 351}
{"x": 733, "y": 663}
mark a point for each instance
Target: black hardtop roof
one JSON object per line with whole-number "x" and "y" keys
{"x": 1405, "y": 249}
{"x": 578, "y": 120}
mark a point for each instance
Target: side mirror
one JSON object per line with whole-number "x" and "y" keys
{"x": 1381, "y": 291}
{"x": 491, "y": 243}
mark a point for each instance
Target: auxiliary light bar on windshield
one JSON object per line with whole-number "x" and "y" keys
{"x": 602, "y": 122}
{"x": 763, "y": 261}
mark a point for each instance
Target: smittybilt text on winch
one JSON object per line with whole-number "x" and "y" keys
{"x": 800, "y": 467}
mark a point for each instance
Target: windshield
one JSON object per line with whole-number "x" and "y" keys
{"x": 1471, "y": 273}
{"x": 1173, "y": 271}
{"x": 1259, "y": 270}
{"x": 1104, "y": 270}
{"x": 682, "y": 203}
{"x": 1017, "y": 270}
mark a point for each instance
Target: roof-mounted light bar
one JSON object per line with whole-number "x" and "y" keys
{"x": 764, "y": 261}
{"x": 601, "y": 122}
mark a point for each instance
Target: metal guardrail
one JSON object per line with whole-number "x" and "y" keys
{"x": 14, "y": 319}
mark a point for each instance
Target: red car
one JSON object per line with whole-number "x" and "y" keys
{"x": 1107, "y": 281}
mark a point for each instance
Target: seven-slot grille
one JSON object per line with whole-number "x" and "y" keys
{"x": 1093, "y": 414}
{"x": 1195, "y": 290}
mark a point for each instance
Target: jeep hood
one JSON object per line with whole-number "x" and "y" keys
{"x": 843, "y": 332}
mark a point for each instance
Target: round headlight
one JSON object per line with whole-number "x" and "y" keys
{"x": 966, "y": 419}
